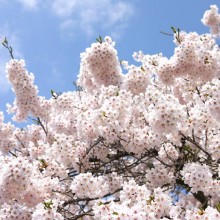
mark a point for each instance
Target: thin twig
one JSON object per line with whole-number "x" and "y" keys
{"x": 196, "y": 144}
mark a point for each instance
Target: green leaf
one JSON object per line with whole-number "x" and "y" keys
{"x": 218, "y": 207}
{"x": 104, "y": 114}
{"x": 4, "y": 41}
{"x": 142, "y": 68}
{"x": 52, "y": 92}
{"x": 99, "y": 39}
{"x": 47, "y": 205}
{"x": 149, "y": 201}
{"x": 173, "y": 29}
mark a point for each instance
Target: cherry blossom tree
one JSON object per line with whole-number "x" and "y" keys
{"x": 140, "y": 145}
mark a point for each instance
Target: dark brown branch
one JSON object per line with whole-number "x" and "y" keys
{"x": 196, "y": 144}
{"x": 72, "y": 201}
{"x": 41, "y": 124}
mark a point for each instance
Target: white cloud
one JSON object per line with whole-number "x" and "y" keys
{"x": 67, "y": 24}
{"x": 89, "y": 14}
{"x": 29, "y": 4}
{"x": 64, "y": 8}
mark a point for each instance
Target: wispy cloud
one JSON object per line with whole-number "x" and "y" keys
{"x": 64, "y": 8}
{"x": 88, "y": 16}
{"x": 29, "y": 4}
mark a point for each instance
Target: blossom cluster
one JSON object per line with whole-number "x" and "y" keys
{"x": 144, "y": 144}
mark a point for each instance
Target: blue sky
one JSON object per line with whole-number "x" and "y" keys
{"x": 51, "y": 34}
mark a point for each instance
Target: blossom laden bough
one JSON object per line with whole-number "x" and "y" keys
{"x": 139, "y": 145}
